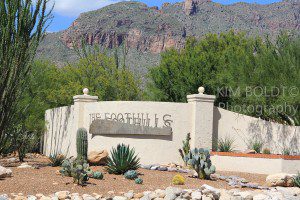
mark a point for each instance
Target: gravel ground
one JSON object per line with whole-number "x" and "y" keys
{"x": 46, "y": 181}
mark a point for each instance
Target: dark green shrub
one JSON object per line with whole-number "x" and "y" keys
{"x": 122, "y": 159}
{"x": 225, "y": 145}
{"x": 255, "y": 144}
{"x": 98, "y": 175}
{"x": 138, "y": 181}
{"x": 131, "y": 174}
{"x": 286, "y": 151}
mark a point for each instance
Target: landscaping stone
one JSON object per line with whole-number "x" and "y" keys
{"x": 162, "y": 169}
{"x": 129, "y": 194}
{"x": 262, "y": 197}
{"x": 280, "y": 179}
{"x": 119, "y": 198}
{"x": 160, "y": 193}
{"x": 62, "y": 195}
{"x": 4, "y": 172}
{"x": 4, "y": 197}
{"x": 25, "y": 166}
{"x": 98, "y": 157}
{"x": 197, "y": 195}
{"x": 206, "y": 189}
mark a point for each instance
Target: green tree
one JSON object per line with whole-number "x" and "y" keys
{"x": 23, "y": 25}
{"x": 244, "y": 73}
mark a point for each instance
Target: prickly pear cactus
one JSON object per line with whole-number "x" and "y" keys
{"x": 131, "y": 174}
{"x": 82, "y": 144}
{"x": 98, "y": 175}
{"x": 199, "y": 160}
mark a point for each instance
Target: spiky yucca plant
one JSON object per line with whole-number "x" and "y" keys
{"x": 122, "y": 159}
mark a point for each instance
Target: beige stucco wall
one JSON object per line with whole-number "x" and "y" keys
{"x": 255, "y": 165}
{"x": 241, "y": 128}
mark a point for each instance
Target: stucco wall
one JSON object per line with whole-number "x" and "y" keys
{"x": 58, "y": 137}
{"x": 242, "y": 128}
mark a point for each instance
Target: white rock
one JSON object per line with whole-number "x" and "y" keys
{"x": 62, "y": 195}
{"x": 129, "y": 194}
{"x": 24, "y": 166}
{"x": 280, "y": 179}
{"x": 4, "y": 172}
{"x": 160, "y": 193}
{"x": 246, "y": 195}
{"x": 206, "y": 198}
{"x": 262, "y": 197}
{"x": 4, "y": 197}
{"x": 207, "y": 189}
{"x": 31, "y": 197}
{"x": 88, "y": 197}
{"x": 45, "y": 198}
{"x": 196, "y": 195}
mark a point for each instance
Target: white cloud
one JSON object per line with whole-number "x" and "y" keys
{"x": 75, "y": 7}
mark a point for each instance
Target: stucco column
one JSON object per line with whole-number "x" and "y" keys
{"x": 79, "y": 102}
{"x": 202, "y": 119}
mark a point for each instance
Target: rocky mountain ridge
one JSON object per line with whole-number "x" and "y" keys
{"x": 148, "y": 31}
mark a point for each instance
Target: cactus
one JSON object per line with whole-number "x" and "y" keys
{"x": 98, "y": 175}
{"x": 199, "y": 160}
{"x": 138, "y": 181}
{"x": 82, "y": 144}
{"x": 297, "y": 180}
{"x": 185, "y": 147}
{"x": 131, "y": 174}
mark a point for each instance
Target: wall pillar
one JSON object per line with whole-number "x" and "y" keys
{"x": 79, "y": 102}
{"x": 202, "y": 119}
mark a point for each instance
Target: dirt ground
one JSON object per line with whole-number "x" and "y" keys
{"x": 45, "y": 180}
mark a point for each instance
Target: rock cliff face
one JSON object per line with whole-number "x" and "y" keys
{"x": 148, "y": 31}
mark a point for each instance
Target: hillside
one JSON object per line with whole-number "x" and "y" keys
{"x": 147, "y": 31}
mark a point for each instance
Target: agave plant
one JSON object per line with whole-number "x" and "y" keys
{"x": 122, "y": 159}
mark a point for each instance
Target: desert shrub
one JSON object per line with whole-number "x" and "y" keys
{"x": 297, "y": 180}
{"x": 178, "y": 180}
{"x": 56, "y": 159}
{"x": 266, "y": 151}
{"x": 138, "y": 181}
{"x": 185, "y": 147}
{"x": 199, "y": 160}
{"x": 98, "y": 175}
{"x": 226, "y": 144}
{"x": 131, "y": 174}
{"x": 286, "y": 151}
{"x": 122, "y": 159}
{"x": 255, "y": 144}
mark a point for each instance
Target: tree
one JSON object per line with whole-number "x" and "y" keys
{"x": 244, "y": 73}
{"x": 23, "y": 25}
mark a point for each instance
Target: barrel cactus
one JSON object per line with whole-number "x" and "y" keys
{"x": 131, "y": 174}
{"x": 138, "y": 181}
{"x": 98, "y": 175}
{"x": 199, "y": 160}
{"x": 82, "y": 144}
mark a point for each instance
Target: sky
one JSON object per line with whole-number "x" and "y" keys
{"x": 66, "y": 11}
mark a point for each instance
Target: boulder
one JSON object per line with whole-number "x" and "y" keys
{"x": 280, "y": 179}
{"x": 4, "y": 172}
{"x": 98, "y": 157}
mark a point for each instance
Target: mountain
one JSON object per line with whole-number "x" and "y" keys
{"x": 148, "y": 31}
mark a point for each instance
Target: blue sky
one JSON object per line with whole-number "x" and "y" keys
{"x": 66, "y": 11}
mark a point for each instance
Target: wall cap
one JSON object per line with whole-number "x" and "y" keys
{"x": 85, "y": 98}
{"x": 201, "y": 98}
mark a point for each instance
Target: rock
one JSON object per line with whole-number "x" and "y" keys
{"x": 172, "y": 193}
{"x": 62, "y": 195}
{"x": 250, "y": 151}
{"x": 154, "y": 167}
{"x": 12, "y": 160}
{"x": 214, "y": 177}
{"x": 88, "y": 197}
{"x": 146, "y": 167}
{"x": 98, "y": 157}
{"x": 206, "y": 198}
{"x": 20, "y": 198}
{"x": 146, "y": 197}
{"x": 246, "y": 195}
{"x": 162, "y": 168}
{"x": 206, "y": 189}
{"x": 138, "y": 195}
{"x": 4, "y": 172}
{"x": 129, "y": 194}
{"x": 25, "y": 166}
{"x": 171, "y": 169}
{"x": 261, "y": 197}
{"x": 197, "y": 195}
{"x": 160, "y": 193}
{"x": 31, "y": 197}
{"x": 4, "y": 197}
{"x": 119, "y": 198}
{"x": 45, "y": 198}
{"x": 280, "y": 179}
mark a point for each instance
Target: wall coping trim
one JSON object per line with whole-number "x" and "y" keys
{"x": 201, "y": 98}
{"x": 85, "y": 98}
